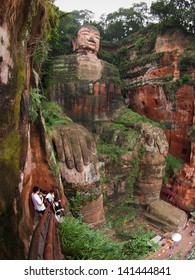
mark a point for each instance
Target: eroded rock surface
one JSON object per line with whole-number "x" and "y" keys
{"x": 156, "y": 87}
{"x": 16, "y": 20}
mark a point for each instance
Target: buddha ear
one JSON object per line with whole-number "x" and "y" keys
{"x": 74, "y": 44}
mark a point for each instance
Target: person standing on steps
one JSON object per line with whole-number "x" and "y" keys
{"x": 50, "y": 196}
{"x": 38, "y": 200}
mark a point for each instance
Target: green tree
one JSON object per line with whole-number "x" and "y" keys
{"x": 124, "y": 22}
{"x": 178, "y": 13}
{"x": 82, "y": 16}
{"x": 67, "y": 26}
{"x": 50, "y": 33}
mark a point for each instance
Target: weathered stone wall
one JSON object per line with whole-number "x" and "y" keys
{"x": 18, "y": 29}
{"x": 152, "y": 102}
{"x": 155, "y": 87}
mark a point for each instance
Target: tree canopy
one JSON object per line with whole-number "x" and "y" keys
{"x": 120, "y": 24}
{"x": 179, "y": 13}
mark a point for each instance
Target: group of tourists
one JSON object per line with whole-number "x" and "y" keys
{"x": 41, "y": 199}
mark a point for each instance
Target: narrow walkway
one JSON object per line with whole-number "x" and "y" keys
{"x": 45, "y": 243}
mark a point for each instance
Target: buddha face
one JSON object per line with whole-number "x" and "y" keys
{"x": 88, "y": 38}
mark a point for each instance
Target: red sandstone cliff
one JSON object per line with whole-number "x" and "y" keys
{"x": 160, "y": 86}
{"x": 21, "y": 28}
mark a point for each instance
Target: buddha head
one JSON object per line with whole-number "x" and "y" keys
{"x": 87, "y": 39}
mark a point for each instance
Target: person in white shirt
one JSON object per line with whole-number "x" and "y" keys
{"x": 50, "y": 196}
{"x": 38, "y": 200}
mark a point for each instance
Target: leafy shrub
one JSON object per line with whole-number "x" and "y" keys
{"x": 185, "y": 78}
{"x": 191, "y": 255}
{"x": 173, "y": 165}
{"x": 112, "y": 150}
{"x": 35, "y": 103}
{"x": 129, "y": 118}
{"x": 53, "y": 114}
{"x": 192, "y": 133}
{"x": 80, "y": 242}
{"x": 137, "y": 247}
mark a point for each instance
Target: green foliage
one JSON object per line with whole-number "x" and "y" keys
{"x": 137, "y": 246}
{"x": 170, "y": 88}
{"x": 49, "y": 32}
{"x": 192, "y": 133}
{"x": 107, "y": 56}
{"x": 112, "y": 150}
{"x": 124, "y": 22}
{"x": 53, "y": 114}
{"x": 120, "y": 214}
{"x": 173, "y": 166}
{"x": 104, "y": 178}
{"x": 51, "y": 111}
{"x": 175, "y": 13}
{"x": 35, "y": 103}
{"x": 41, "y": 54}
{"x": 191, "y": 255}
{"x": 55, "y": 169}
{"x": 79, "y": 242}
{"x": 130, "y": 118}
{"x": 146, "y": 59}
{"x": 60, "y": 42}
{"x": 80, "y": 198}
{"x": 187, "y": 60}
{"x": 185, "y": 79}
{"x": 133, "y": 175}
{"x": 138, "y": 237}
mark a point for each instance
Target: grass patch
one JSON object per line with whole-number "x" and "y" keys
{"x": 112, "y": 151}
{"x": 118, "y": 215}
{"x": 132, "y": 119}
{"x": 53, "y": 114}
{"x": 79, "y": 242}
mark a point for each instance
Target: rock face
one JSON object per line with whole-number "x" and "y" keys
{"x": 13, "y": 81}
{"x": 170, "y": 219}
{"x": 183, "y": 184}
{"x": 38, "y": 171}
{"x": 170, "y": 102}
{"x": 158, "y": 87}
{"x": 20, "y": 23}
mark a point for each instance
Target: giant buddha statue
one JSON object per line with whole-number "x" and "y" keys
{"x": 89, "y": 91}
{"x": 87, "y": 87}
